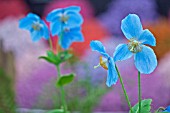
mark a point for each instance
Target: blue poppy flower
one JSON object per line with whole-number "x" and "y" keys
{"x": 167, "y": 109}
{"x": 106, "y": 62}
{"x": 70, "y": 35}
{"x": 144, "y": 57}
{"x": 64, "y": 17}
{"x": 36, "y": 26}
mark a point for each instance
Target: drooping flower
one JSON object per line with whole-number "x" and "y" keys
{"x": 144, "y": 57}
{"x": 70, "y": 35}
{"x": 106, "y": 62}
{"x": 36, "y": 26}
{"x": 64, "y": 17}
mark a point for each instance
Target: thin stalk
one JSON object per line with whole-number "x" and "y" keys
{"x": 50, "y": 43}
{"x": 124, "y": 90}
{"x": 139, "y": 91}
{"x": 62, "y": 92}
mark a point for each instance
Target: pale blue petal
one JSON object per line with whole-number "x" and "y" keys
{"x": 76, "y": 34}
{"x": 54, "y": 15}
{"x": 36, "y": 36}
{"x": 73, "y": 8}
{"x": 147, "y": 37}
{"x": 65, "y": 41}
{"x": 98, "y": 46}
{"x": 33, "y": 16}
{"x": 55, "y": 28}
{"x": 73, "y": 35}
{"x": 145, "y": 61}
{"x": 46, "y": 33}
{"x": 25, "y": 23}
{"x": 122, "y": 52}
{"x": 131, "y": 26}
{"x": 75, "y": 19}
{"x": 112, "y": 76}
{"x": 167, "y": 109}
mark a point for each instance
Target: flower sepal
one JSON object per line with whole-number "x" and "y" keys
{"x": 57, "y": 59}
{"x": 145, "y": 106}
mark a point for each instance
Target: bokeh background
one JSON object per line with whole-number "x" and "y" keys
{"x": 26, "y": 82}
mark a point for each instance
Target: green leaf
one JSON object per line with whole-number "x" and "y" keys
{"x": 64, "y": 55}
{"x": 145, "y": 106}
{"x": 56, "y": 111}
{"x": 46, "y": 58}
{"x": 53, "y": 57}
{"x": 56, "y": 59}
{"x": 65, "y": 79}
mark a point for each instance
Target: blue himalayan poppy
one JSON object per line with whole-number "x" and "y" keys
{"x": 144, "y": 57}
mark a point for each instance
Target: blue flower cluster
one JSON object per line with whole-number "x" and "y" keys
{"x": 144, "y": 57}
{"x": 64, "y": 22}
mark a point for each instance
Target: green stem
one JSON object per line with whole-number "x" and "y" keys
{"x": 62, "y": 92}
{"x": 139, "y": 91}
{"x": 124, "y": 90}
{"x": 50, "y": 43}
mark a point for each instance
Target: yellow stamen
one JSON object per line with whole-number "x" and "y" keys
{"x": 103, "y": 63}
{"x": 64, "y": 18}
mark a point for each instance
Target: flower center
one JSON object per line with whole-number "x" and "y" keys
{"x": 36, "y": 26}
{"x": 134, "y": 46}
{"x": 102, "y": 63}
{"x": 64, "y": 18}
{"x": 66, "y": 29}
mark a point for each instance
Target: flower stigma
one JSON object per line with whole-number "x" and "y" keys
{"x": 36, "y": 26}
{"x": 134, "y": 46}
{"x": 66, "y": 29}
{"x": 102, "y": 63}
{"x": 64, "y": 18}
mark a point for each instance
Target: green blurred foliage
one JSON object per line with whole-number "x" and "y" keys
{"x": 81, "y": 96}
{"x": 7, "y": 95}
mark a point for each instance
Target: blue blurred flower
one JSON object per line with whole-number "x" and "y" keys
{"x": 70, "y": 35}
{"x": 64, "y": 17}
{"x": 35, "y": 25}
{"x": 144, "y": 56}
{"x": 167, "y": 109}
{"x": 106, "y": 62}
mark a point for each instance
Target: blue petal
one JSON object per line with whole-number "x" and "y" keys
{"x": 73, "y": 35}
{"x": 147, "y": 37}
{"x": 76, "y": 34}
{"x": 46, "y": 33}
{"x": 25, "y": 23}
{"x": 73, "y": 8}
{"x": 131, "y": 26}
{"x": 112, "y": 76}
{"x": 145, "y": 61}
{"x": 122, "y": 52}
{"x": 54, "y": 15}
{"x": 55, "y": 28}
{"x": 33, "y": 16}
{"x": 167, "y": 109}
{"x": 98, "y": 46}
{"x": 36, "y": 36}
{"x": 64, "y": 41}
{"x": 75, "y": 19}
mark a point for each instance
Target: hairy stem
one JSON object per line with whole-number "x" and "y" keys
{"x": 62, "y": 92}
{"x": 139, "y": 91}
{"x": 124, "y": 90}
